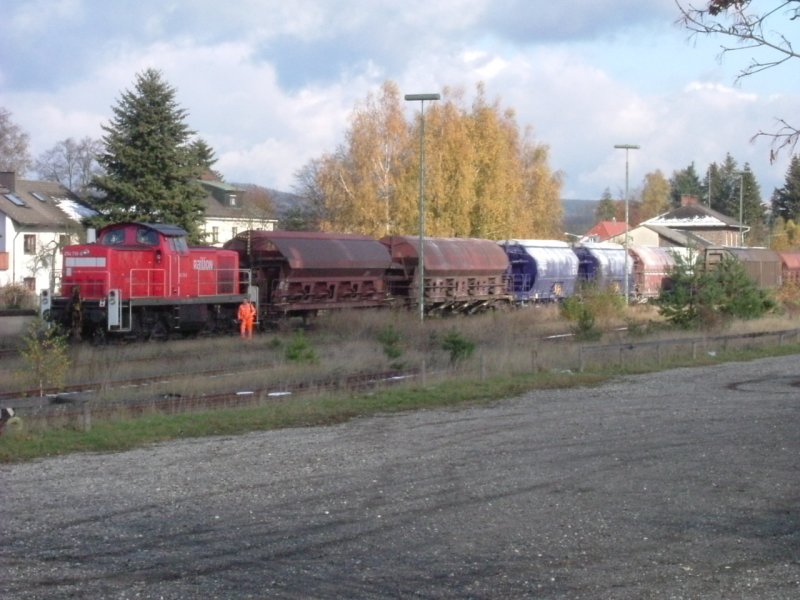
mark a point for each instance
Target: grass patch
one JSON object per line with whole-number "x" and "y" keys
{"x": 124, "y": 434}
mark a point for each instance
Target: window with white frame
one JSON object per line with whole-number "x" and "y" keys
{"x": 29, "y": 243}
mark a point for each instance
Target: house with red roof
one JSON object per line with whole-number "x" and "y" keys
{"x": 606, "y": 231}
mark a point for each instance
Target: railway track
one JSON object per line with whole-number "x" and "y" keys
{"x": 52, "y": 392}
{"x": 77, "y": 402}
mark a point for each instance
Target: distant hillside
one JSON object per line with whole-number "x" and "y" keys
{"x": 283, "y": 201}
{"x": 579, "y": 215}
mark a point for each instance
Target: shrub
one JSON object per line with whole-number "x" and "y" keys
{"x": 572, "y": 308}
{"x": 15, "y": 295}
{"x": 390, "y": 339}
{"x": 299, "y": 350}
{"x": 583, "y": 311}
{"x": 605, "y": 304}
{"x": 457, "y": 346}
{"x": 46, "y": 355}
{"x": 708, "y": 298}
{"x": 788, "y": 297}
{"x": 602, "y": 304}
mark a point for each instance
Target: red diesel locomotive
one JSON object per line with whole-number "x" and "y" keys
{"x": 143, "y": 280}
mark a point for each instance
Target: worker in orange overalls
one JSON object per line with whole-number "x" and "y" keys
{"x": 246, "y": 316}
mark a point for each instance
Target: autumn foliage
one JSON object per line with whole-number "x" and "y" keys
{"x": 483, "y": 177}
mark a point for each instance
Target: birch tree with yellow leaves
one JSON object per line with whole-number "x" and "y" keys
{"x": 362, "y": 183}
{"x": 483, "y": 178}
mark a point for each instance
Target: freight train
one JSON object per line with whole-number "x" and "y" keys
{"x": 144, "y": 281}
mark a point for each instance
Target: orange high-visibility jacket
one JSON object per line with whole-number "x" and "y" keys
{"x": 247, "y": 312}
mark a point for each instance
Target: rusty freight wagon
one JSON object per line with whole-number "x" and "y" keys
{"x": 790, "y": 266}
{"x": 652, "y": 268}
{"x": 299, "y": 273}
{"x": 763, "y": 265}
{"x": 460, "y": 275}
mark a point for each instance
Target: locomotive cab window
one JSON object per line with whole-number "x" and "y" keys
{"x": 179, "y": 245}
{"x": 113, "y": 237}
{"x": 147, "y": 237}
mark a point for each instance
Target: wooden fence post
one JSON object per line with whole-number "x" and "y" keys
{"x": 85, "y": 419}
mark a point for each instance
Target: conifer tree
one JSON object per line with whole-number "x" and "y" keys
{"x": 149, "y": 168}
{"x": 685, "y": 182}
{"x": 737, "y": 191}
{"x": 201, "y": 159}
{"x": 607, "y": 208}
{"x": 786, "y": 200}
{"x": 715, "y": 184}
{"x": 727, "y": 187}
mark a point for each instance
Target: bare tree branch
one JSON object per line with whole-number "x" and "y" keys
{"x": 746, "y": 31}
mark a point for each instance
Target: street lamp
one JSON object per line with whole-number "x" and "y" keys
{"x": 421, "y": 98}
{"x": 627, "y": 148}
{"x": 741, "y": 204}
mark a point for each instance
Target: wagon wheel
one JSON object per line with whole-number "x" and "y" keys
{"x": 159, "y": 331}
{"x": 99, "y": 336}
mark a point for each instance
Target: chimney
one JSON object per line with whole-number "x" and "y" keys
{"x": 8, "y": 180}
{"x": 689, "y": 200}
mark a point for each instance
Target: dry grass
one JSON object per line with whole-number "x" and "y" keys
{"x": 345, "y": 343}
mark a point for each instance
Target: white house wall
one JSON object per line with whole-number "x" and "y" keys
{"x": 22, "y": 267}
{"x": 642, "y": 236}
{"x": 226, "y": 228}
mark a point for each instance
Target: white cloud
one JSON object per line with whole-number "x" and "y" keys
{"x": 270, "y": 85}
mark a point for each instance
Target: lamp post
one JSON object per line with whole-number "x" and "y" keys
{"x": 421, "y": 98}
{"x": 627, "y": 148}
{"x": 741, "y": 205}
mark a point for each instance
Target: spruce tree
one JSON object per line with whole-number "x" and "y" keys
{"x": 149, "y": 167}
{"x": 726, "y": 200}
{"x": 737, "y": 191}
{"x": 786, "y": 200}
{"x": 685, "y": 182}
{"x": 201, "y": 159}
{"x": 607, "y": 208}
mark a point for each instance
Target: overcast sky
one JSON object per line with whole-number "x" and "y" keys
{"x": 271, "y": 84}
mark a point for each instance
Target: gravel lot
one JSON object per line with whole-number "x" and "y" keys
{"x": 681, "y": 484}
